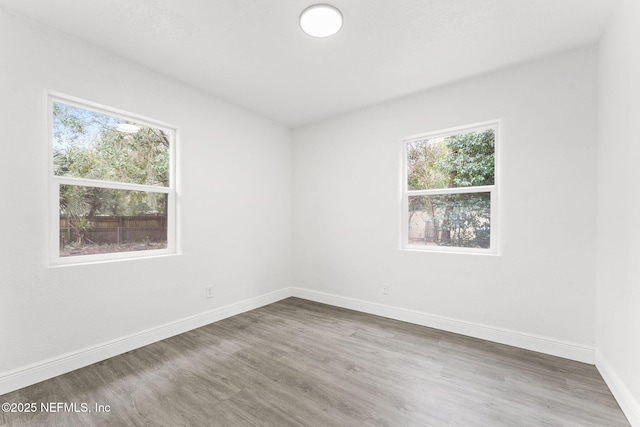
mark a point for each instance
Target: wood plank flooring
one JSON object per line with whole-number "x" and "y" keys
{"x": 300, "y": 363}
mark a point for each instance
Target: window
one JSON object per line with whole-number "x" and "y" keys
{"x": 112, "y": 184}
{"x": 450, "y": 190}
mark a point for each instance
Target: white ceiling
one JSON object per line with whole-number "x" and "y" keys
{"x": 253, "y": 53}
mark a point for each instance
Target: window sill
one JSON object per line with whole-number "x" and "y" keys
{"x": 83, "y": 260}
{"x": 453, "y": 251}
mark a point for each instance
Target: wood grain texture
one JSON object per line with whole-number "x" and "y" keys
{"x": 300, "y": 363}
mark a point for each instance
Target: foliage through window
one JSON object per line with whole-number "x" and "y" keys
{"x": 111, "y": 183}
{"x": 450, "y": 189}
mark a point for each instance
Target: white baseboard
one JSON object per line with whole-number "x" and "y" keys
{"x": 532, "y": 342}
{"x": 34, "y": 373}
{"x": 40, "y": 371}
{"x": 629, "y": 405}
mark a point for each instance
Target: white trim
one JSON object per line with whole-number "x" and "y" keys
{"x": 443, "y": 249}
{"x": 86, "y": 182}
{"x": 46, "y": 369}
{"x": 454, "y": 190}
{"x": 629, "y": 405}
{"x": 43, "y": 370}
{"x": 54, "y": 259}
{"x": 452, "y": 131}
{"x": 493, "y": 190}
{"x": 554, "y": 347}
{"x": 111, "y": 111}
{"x": 53, "y": 210}
{"x": 77, "y": 260}
{"x": 496, "y": 197}
{"x": 448, "y": 249}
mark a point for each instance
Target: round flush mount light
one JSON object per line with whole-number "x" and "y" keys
{"x": 127, "y": 128}
{"x": 321, "y": 20}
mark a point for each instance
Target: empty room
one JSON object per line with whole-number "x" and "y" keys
{"x": 289, "y": 213}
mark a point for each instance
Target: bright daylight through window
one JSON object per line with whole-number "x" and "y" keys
{"x": 112, "y": 189}
{"x": 449, "y": 190}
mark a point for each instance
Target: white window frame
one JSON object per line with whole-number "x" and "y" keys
{"x": 492, "y": 189}
{"x": 56, "y": 181}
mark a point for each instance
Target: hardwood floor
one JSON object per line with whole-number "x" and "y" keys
{"x": 299, "y": 363}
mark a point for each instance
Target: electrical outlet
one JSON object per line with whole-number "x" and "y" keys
{"x": 209, "y": 291}
{"x": 385, "y": 290}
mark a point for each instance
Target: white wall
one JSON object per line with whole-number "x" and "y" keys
{"x": 618, "y": 213}
{"x": 346, "y": 204}
{"x": 235, "y": 168}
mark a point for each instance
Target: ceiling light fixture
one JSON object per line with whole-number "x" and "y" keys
{"x": 321, "y": 20}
